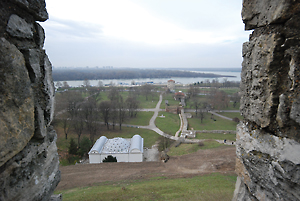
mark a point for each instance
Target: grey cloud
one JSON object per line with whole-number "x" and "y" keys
{"x": 59, "y": 27}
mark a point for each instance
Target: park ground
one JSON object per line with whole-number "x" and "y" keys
{"x": 212, "y": 163}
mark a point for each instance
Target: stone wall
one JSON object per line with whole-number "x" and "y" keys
{"x": 28, "y": 153}
{"x": 268, "y": 148}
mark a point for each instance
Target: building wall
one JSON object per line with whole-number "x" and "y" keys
{"x": 95, "y": 158}
{"x": 132, "y": 157}
{"x": 136, "y": 157}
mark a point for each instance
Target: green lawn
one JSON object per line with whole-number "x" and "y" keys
{"x": 231, "y": 90}
{"x": 170, "y": 124}
{"x": 142, "y": 119}
{"x": 231, "y": 115}
{"x": 210, "y": 187}
{"x": 210, "y": 124}
{"x": 230, "y": 106}
{"x": 191, "y": 148}
{"x": 170, "y": 98}
{"x": 216, "y": 136}
{"x": 151, "y": 103}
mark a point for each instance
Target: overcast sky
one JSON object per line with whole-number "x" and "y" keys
{"x": 144, "y": 33}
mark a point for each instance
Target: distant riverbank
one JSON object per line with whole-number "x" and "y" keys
{"x": 234, "y": 76}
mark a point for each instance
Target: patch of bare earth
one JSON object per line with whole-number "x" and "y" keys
{"x": 201, "y": 162}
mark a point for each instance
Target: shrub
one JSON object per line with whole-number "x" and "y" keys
{"x": 85, "y": 146}
{"x": 109, "y": 158}
{"x": 235, "y": 119}
{"x": 200, "y": 144}
{"x": 72, "y": 149}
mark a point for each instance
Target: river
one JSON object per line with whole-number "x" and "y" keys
{"x": 179, "y": 80}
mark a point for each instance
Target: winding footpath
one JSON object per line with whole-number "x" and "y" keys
{"x": 153, "y": 127}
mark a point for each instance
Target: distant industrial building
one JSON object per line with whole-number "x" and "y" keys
{"x": 124, "y": 149}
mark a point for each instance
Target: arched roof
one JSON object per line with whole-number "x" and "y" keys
{"x": 98, "y": 146}
{"x": 116, "y": 145}
{"x": 136, "y": 143}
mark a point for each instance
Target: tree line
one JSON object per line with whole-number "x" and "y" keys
{"x": 215, "y": 99}
{"x": 63, "y": 74}
{"x": 80, "y": 113}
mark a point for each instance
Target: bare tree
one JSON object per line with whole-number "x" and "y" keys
{"x": 146, "y": 90}
{"x": 113, "y": 112}
{"x": 113, "y": 93}
{"x": 86, "y": 83}
{"x": 58, "y": 84}
{"x": 65, "y": 85}
{"x": 89, "y": 109}
{"x": 66, "y": 104}
{"x": 219, "y": 99}
{"x": 121, "y": 111}
{"x": 236, "y": 97}
{"x": 132, "y": 105}
{"x": 196, "y": 104}
{"x": 193, "y": 91}
{"x": 105, "y": 107}
{"x": 78, "y": 122}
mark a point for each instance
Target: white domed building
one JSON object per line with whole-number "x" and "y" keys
{"x": 124, "y": 149}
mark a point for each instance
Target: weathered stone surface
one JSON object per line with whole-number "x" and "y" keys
{"x": 259, "y": 83}
{"x": 268, "y": 140}
{"x": 273, "y": 165}
{"x": 295, "y": 111}
{"x": 18, "y": 27}
{"x": 48, "y": 90}
{"x": 16, "y": 102}
{"x": 32, "y": 173}
{"x": 33, "y": 63}
{"x": 258, "y": 13}
{"x": 56, "y": 197}
{"x": 28, "y": 153}
{"x": 36, "y": 7}
{"x": 40, "y": 36}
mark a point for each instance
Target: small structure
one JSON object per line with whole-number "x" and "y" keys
{"x": 171, "y": 85}
{"x": 124, "y": 149}
{"x": 179, "y": 95}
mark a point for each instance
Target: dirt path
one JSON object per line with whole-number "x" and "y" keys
{"x": 201, "y": 162}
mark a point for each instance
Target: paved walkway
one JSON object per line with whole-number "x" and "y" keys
{"x": 153, "y": 127}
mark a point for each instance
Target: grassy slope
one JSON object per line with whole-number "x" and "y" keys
{"x": 170, "y": 124}
{"x": 191, "y": 148}
{"x": 210, "y": 124}
{"x": 216, "y": 136}
{"x": 231, "y": 114}
{"x": 142, "y": 119}
{"x": 212, "y": 187}
{"x": 170, "y": 98}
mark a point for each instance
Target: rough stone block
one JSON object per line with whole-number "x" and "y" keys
{"x": 16, "y": 102}
{"x": 295, "y": 110}
{"x": 18, "y": 27}
{"x": 271, "y": 162}
{"x": 33, "y": 61}
{"x": 36, "y": 7}
{"x": 49, "y": 90}
{"x": 40, "y": 35}
{"x": 258, "y": 85}
{"x": 33, "y": 173}
{"x": 258, "y": 13}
